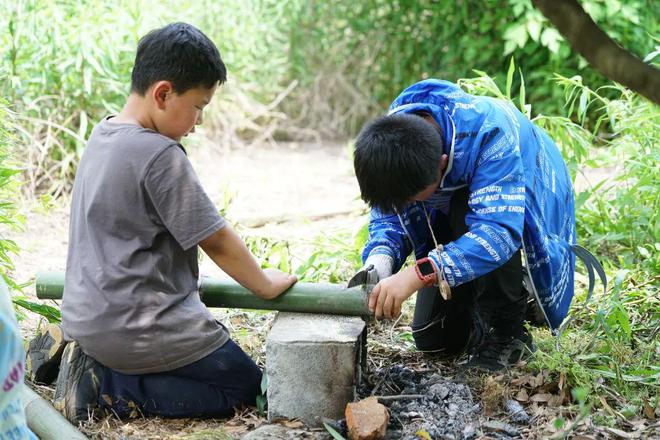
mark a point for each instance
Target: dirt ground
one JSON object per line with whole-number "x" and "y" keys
{"x": 288, "y": 191}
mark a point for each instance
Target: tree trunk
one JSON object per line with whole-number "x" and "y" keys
{"x": 603, "y": 53}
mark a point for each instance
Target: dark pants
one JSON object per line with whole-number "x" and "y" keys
{"x": 210, "y": 387}
{"x": 494, "y": 301}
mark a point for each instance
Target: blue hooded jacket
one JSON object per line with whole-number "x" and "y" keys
{"x": 520, "y": 196}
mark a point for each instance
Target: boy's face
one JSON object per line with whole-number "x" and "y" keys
{"x": 427, "y": 192}
{"x": 177, "y": 114}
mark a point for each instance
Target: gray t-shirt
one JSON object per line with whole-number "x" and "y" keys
{"x": 131, "y": 298}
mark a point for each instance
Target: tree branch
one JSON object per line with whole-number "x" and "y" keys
{"x": 603, "y": 53}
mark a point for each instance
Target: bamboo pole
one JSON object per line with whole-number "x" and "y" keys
{"x": 45, "y": 421}
{"x": 215, "y": 292}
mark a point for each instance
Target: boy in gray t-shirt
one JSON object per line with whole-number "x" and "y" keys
{"x": 142, "y": 339}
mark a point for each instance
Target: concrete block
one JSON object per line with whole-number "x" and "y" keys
{"x": 313, "y": 365}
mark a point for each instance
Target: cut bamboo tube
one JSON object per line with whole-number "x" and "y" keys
{"x": 215, "y": 292}
{"x": 45, "y": 421}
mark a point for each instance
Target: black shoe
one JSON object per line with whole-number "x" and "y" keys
{"x": 534, "y": 314}
{"x": 499, "y": 352}
{"x": 44, "y": 354}
{"x": 77, "y": 389}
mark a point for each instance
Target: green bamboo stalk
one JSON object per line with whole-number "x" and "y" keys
{"x": 225, "y": 293}
{"x": 45, "y": 421}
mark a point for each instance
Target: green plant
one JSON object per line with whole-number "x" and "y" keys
{"x": 617, "y": 219}
{"x": 297, "y": 68}
{"x": 333, "y": 256}
{"x": 572, "y": 138}
{"x": 364, "y": 53}
{"x": 262, "y": 398}
{"x": 67, "y": 65}
{"x": 10, "y": 218}
{"x": 8, "y": 211}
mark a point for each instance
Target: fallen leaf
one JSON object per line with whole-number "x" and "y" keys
{"x": 555, "y": 401}
{"x": 536, "y": 409}
{"x": 423, "y": 435}
{"x": 549, "y": 387}
{"x": 522, "y": 395}
{"x": 649, "y": 412}
{"x": 522, "y": 380}
{"x": 622, "y": 434}
{"x": 293, "y": 424}
{"x": 606, "y": 406}
{"x": 638, "y": 424}
{"x": 497, "y": 426}
{"x": 542, "y": 397}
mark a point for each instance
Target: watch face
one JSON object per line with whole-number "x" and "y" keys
{"x": 426, "y": 268}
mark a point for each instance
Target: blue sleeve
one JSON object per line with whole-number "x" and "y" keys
{"x": 12, "y": 417}
{"x": 387, "y": 236}
{"x": 496, "y": 209}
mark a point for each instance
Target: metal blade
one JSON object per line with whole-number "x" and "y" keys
{"x": 361, "y": 278}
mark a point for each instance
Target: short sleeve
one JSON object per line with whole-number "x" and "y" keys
{"x": 179, "y": 200}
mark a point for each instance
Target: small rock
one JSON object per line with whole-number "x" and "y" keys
{"x": 269, "y": 432}
{"x": 439, "y": 390}
{"x": 366, "y": 419}
{"x": 495, "y": 426}
{"x": 516, "y": 412}
{"x": 411, "y": 415}
{"x": 469, "y": 431}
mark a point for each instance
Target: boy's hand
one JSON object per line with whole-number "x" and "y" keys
{"x": 279, "y": 282}
{"x": 389, "y": 294}
{"x": 231, "y": 255}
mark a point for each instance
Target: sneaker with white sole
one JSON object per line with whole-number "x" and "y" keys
{"x": 44, "y": 354}
{"x": 499, "y": 352}
{"x": 78, "y": 383}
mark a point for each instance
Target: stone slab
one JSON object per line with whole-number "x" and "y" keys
{"x": 313, "y": 365}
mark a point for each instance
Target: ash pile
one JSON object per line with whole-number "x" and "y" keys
{"x": 423, "y": 402}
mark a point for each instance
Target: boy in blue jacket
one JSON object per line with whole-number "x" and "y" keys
{"x": 473, "y": 188}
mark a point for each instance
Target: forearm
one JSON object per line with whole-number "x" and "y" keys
{"x": 228, "y": 251}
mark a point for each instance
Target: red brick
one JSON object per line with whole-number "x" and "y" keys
{"x": 366, "y": 419}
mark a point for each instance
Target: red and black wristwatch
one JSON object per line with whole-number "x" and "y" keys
{"x": 426, "y": 271}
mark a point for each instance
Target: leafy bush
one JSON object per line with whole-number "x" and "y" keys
{"x": 11, "y": 219}
{"x": 297, "y": 68}
{"x": 67, "y": 65}
{"x": 358, "y": 55}
{"x": 8, "y": 214}
{"x": 617, "y": 219}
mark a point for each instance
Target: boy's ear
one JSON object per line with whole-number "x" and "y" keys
{"x": 160, "y": 92}
{"x": 444, "y": 161}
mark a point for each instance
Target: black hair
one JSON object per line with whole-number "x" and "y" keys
{"x": 395, "y": 158}
{"x": 179, "y": 53}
